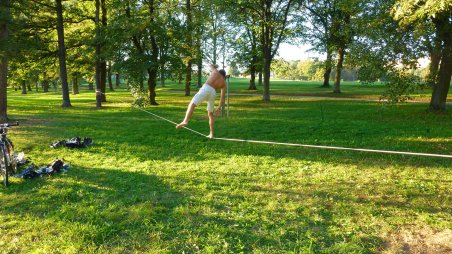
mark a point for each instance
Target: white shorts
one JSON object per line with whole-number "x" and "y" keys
{"x": 206, "y": 93}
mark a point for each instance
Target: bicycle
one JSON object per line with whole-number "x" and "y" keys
{"x": 8, "y": 163}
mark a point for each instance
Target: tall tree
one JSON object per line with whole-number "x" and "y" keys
{"x": 103, "y": 62}
{"x": 318, "y": 33}
{"x": 99, "y": 97}
{"x": 274, "y": 24}
{"x": 189, "y": 46}
{"x": 4, "y": 20}
{"x": 410, "y": 12}
{"x": 62, "y": 55}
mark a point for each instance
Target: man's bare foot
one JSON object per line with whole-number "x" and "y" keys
{"x": 182, "y": 124}
{"x": 210, "y": 136}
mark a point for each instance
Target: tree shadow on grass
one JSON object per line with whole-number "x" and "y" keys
{"x": 118, "y": 207}
{"x": 139, "y": 211}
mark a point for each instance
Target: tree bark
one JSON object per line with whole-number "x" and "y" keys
{"x": 98, "y": 61}
{"x": 4, "y": 5}
{"x": 435, "y": 58}
{"x": 340, "y": 61}
{"x": 152, "y": 80}
{"x": 326, "y": 75}
{"x": 110, "y": 81}
{"x": 75, "y": 85}
{"x": 46, "y": 85}
{"x": 252, "y": 85}
{"x": 152, "y": 83}
{"x": 62, "y": 55}
{"x": 103, "y": 65}
{"x": 24, "y": 87}
{"x": 441, "y": 88}
{"x": 117, "y": 80}
{"x": 189, "y": 46}
{"x": 267, "y": 63}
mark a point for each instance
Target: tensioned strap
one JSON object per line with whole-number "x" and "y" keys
{"x": 303, "y": 145}
{"x": 335, "y": 147}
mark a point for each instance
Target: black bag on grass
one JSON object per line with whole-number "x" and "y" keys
{"x": 57, "y": 165}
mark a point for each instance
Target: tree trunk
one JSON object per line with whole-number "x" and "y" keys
{"x": 24, "y": 87}
{"x": 103, "y": 70}
{"x": 340, "y": 61}
{"x": 188, "y": 78}
{"x": 180, "y": 78}
{"x": 441, "y": 88}
{"x": 46, "y": 85}
{"x": 266, "y": 52}
{"x": 152, "y": 80}
{"x": 152, "y": 83}
{"x": 75, "y": 85}
{"x": 103, "y": 79}
{"x": 189, "y": 46}
{"x": 117, "y": 80}
{"x": 435, "y": 58}
{"x": 110, "y": 82}
{"x": 326, "y": 75}
{"x": 4, "y": 5}
{"x": 98, "y": 61}
{"x": 29, "y": 87}
{"x": 252, "y": 85}
{"x": 62, "y": 55}
{"x": 267, "y": 63}
{"x": 90, "y": 86}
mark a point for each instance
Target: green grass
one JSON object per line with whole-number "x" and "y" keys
{"x": 349, "y": 89}
{"x": 146, "y": 187}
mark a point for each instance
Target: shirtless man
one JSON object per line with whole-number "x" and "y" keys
{"x": 216, "y": 80}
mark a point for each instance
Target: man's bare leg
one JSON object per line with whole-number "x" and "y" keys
{"x": 211, "y": 123}
{"x": 191, "y": 107}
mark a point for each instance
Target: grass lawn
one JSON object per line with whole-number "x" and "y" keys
{"x": 146, "y": 187}
{"x": 349, "y": 89}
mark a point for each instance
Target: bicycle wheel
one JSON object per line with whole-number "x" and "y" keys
{"x": 12, "y": 162}
{"x": 3, "y": 166}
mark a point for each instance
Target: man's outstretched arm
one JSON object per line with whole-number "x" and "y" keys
{"x": 223, "y": 93}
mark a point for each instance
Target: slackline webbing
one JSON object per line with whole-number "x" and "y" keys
{"x": 303, "y": 145}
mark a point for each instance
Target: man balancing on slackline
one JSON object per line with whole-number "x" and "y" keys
{"x": 216, "y": 80}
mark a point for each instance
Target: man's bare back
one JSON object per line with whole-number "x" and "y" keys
{"x": 216, "y": 80}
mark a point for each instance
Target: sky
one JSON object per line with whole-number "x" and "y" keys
{"x": 291, "y": 52}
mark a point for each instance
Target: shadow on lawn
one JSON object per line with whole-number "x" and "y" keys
{"x": 130, "y": 209}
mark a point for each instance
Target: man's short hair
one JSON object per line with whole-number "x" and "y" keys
{"x": 223, "y": 73}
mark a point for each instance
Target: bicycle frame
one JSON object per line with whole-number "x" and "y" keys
{"x": 7, "y": 160}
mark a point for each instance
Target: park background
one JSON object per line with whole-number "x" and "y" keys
{"x": 376, "y": 76}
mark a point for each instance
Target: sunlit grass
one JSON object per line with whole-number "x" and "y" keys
{"x": 146, "y": 187}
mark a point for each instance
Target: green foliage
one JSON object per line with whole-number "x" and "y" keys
{"x": 140, "y": 98}
{"x": 412, "y": 11}
{"x": 400, "y": 86}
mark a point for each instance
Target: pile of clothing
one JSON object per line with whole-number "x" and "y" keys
{"x": 76, "y": 142}
{"x": 56, "y": 166}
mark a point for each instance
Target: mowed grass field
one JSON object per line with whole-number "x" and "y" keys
{"x": 145, "y": 187}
